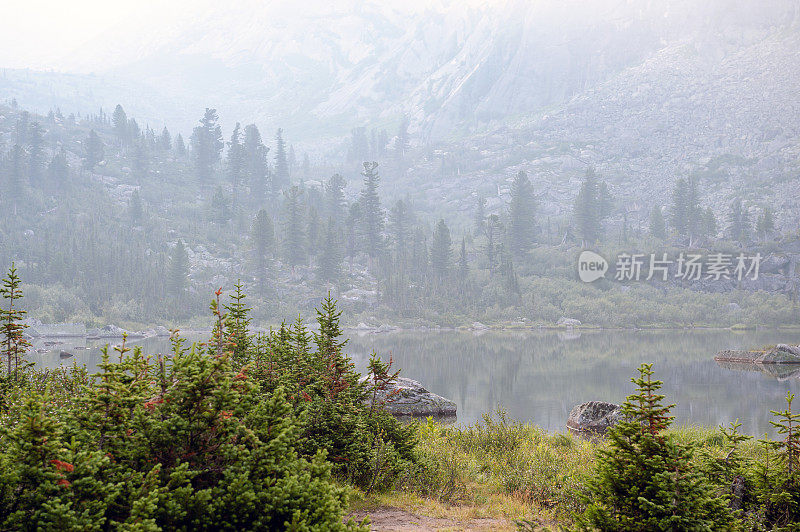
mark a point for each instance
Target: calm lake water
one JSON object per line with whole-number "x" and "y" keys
{"x": 539, "y": 376}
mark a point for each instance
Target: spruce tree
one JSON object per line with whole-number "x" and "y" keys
{"x": 220, "y": 207}
{"x": 522, "y": 215}
{"x": 294, "y": 239}
{"x": 313, "y": 232}
{"x": 165, "y": 140}
{"x": 335, "y": 203}
{"x": 587, "y": 210}
{"x": 235, "y": 163}
{"x": 480, "y": 216}
{"x": 256, "y": 168}
{"x": 135, "y": 209}
{"x": 94, "y": 151}
{"x": 739, "y": 225}
{"x": 180, "y": 146}
{"x": 120, "y": 121}
{"x": 263, "y": 235}
{"x": 36, "y": 160}
{"x": 645, "y": 480}
{"x": 399, "y": 225}
{"x": 14, "y": 345}
{"x": 58, "y": 169}
{"x": 441, "y": 251}
{"x": 765, "y": 223}
{"x": 330, "y": 260}
{"x": 281, "y": 178}
{"x": 178, "y": 273}
{"x": 207, "y": 145}
{"x": 140, "y": 163}
{"x": 657, "y": 227}
{"x": 371, "y": 211}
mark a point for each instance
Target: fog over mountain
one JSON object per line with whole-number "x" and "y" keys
{"x": 451, "y": 66}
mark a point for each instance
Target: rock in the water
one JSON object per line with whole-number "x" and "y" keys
{"x": 65, "y": 354}
{"x": 780, "y": 354}
{"x": 594, "y": 417}
{"x": 412, "y": 399}
{"x": 568, "y": 322}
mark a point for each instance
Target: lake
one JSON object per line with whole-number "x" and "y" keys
{"x": 538, "y": 376}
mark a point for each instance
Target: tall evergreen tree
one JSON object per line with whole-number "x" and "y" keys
{"x": 165, "y": 140}
{"x": 135, "y": 208}
{"x": 522, "y": 215}
{"x": 710, "y": 223}
{"x": 220, "y": 207}
{"x": 330, "y": 260}
{"x": 463, "y": 265}
{"x": 180, "y": 146}
{"x": 235, "y": 163}
{"x": 335, "y": 203}
{"x": 94, "y": 151}
{"x": 263, "y": 235}
{"x": 441, "y": 251}
{"x": 313, "y": 232}
{"x": 587, "y": 210}
{"x": 371, "y": 211}
{"x": 480, "y": 216}
{"x": 657, "y": 226}
{"x": 739, "y": 225}
{"x": 400, "y": 229}
{"x": 256, "y": 167}
{"x": 58, "y": 169}
{"x": 14, "y": 345}
{"x": 281, "y": 178}
{"x": 207, "y": 145}
{"x": 294, "y": 240}
{"x": 178, "y": 273}
{"x": 120, "y": 121}
{"x": 494, "y": 228}
{"x": 36, "y": 160}
{"x": 765, "y": 223}
{"x": 140, "y": 163}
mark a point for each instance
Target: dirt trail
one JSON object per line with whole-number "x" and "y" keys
{"x": 395, "y": 519}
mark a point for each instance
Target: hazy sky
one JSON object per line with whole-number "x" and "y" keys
{"x": 40, "y": 33}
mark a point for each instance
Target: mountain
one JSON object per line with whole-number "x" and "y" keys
{"x": 450, "y": 66}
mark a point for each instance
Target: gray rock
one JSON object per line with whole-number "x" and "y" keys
{"x": 780, "y": 354}
{"x": 406, "y": 397}
{"x": 65, "y": 354}
{"x": 594, "y": 417}
{"x": 568, "y": 322}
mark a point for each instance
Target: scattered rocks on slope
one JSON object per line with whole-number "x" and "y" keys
{"x": 412, "y": 399}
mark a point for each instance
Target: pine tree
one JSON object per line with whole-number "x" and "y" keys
{"x": 235, "y": 163}
{"x": 135, "y": 209}
{"x": 480, "y": 216}
{"x": 180, "y": 146}
{"x": 237, "y": 324}
{"x": 140, "y": 160}
{"x": 58, "y": 169}
{"x": 330, "y": 260}
{"x": 522, "y": 215}
{"x": 94, "y": 151}
{"x": 263, "y": 235}
{"x": 657, "y": 227}
{"x": 587, "y": 210}
{"x": 765, "y": 223}
{"x": 371, "y": 211}
{"x": 739, "y": 226}
{"x": 178, "y": 273}
{"x": 402, "y": 142}
{"x": 36, "y": 160}
{"x": 256, "y": 167}
{"x": 207, "y": 145}
{"x": 399, "y": 224}
{"x": 463, "y": 265}
{"x": 494, "y": 229}
{"x": 645, "y": 479}
{"x": 441, "y": 251}
{"x": 14, "y": 345}
{"x": 710, "y": 223}
{"x": 220, "y": 207}
{"x": 165, "y": 140}
{"x": 335, "y": 203}
{"x": 313, "y": 232}
{"x": 294, "y": 240}
{"x": 281, "y": 178}
{"x": 120, "y": 121}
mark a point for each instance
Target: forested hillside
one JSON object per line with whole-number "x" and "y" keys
{"x": 108, "y": 218}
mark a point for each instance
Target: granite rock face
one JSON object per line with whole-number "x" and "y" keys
{"x": 780, "y": 354}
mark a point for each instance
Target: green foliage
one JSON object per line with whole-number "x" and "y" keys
{"x": 645, "y": 480}
{"x": 522, "y": 215}
{"x": 13, "y": 343}
{"x": 778, "y": 477}
{"x": 189, "y": 442}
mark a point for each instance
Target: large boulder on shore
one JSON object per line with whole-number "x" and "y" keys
{"x": 594, "y": 417}
{"x": 406, "y": 397}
